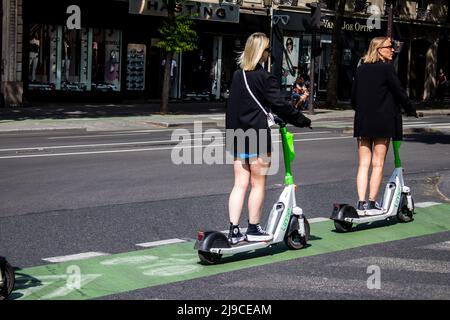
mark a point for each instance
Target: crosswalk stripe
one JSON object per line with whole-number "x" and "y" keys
{"x": 400, "y": 264}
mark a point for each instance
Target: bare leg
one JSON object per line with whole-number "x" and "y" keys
{"x": 381, "y": 146}
{"x": 258, "y": 170}
{"x": 237, "y": 195}
{"x": 364, "y": 156}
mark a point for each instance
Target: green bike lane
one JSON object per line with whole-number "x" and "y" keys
{"x": 118, "y": 273}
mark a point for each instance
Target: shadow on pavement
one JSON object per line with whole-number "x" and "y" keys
{"x": 79, "y": 111}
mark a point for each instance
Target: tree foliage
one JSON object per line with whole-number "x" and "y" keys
{"x": 177, "y": 35}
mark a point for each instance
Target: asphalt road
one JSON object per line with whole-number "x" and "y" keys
{"x": 106, "y": 192}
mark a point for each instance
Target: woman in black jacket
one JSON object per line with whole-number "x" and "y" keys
{"x": 245, "y": 116}
{"x": 377, "y": 98}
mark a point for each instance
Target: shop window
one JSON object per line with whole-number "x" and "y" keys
{"x": 290, "y": 65}
{"x": 73, "y": 60}
{"x": 42, "y": 52}
{"x": 106, "y": 59}
{"x": 136, "y": 67}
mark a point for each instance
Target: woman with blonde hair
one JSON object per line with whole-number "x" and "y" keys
{"x": 252, "y": 158}
{"x": 378, "y": 99}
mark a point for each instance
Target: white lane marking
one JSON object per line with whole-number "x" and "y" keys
{"x": 426, "y": 204}
{"x": 78, "y": 256}
{"x": 438, "y": 246}
{"x": 388, "y": 263}
{"x": 159, "y": 243}
{"x": 150, "y": 149}
{"x": 127, "y": 143}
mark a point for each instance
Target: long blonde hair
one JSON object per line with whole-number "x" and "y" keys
{"x": 254, "y": 49}
{"x": 372, "y": 55}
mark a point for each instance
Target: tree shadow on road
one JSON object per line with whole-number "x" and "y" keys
{"x": 428, "y": 137}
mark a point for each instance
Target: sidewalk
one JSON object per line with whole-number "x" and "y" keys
{"x": 136, "y": 116}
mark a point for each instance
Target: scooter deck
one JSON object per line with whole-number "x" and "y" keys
{"x": 242, "y": 247}
{"x": 364, "y": 219}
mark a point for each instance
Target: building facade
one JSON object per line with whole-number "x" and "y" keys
{"x": 107, "y": 49}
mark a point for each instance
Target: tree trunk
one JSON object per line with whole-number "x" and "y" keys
{"x": 164, "y": 107}
{"x": 333, "y": 74}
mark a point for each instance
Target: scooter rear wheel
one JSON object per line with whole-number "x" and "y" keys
{"x": 295, "y": 241}
{"x": 209, "y": 258}
{"x": 342, "y": 226}
{"x": 6, "y": 279}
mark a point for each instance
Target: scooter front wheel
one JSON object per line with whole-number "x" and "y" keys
{"x": 6, "y": 279}
{"x": 342, "y": 226}
{"x": 209, "y": 258}
{"x": 295, "y": 241}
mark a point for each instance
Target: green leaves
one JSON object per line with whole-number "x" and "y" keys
{"x": 177, "y": 35}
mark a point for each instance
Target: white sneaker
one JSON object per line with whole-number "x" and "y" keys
{"x": 373, "y": 212}
{"x": 374, "y": 209}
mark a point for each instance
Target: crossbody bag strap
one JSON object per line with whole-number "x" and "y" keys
{"x": 253, "y": 96}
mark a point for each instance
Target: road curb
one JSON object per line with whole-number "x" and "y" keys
{"x": 349, "y": 130}
{"x": 37, "y": 130}
{"x": 164, "y": 124}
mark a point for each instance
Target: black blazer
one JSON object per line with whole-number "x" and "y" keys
{"x": 378, "y": 99}
{"x": 244, "y": 113}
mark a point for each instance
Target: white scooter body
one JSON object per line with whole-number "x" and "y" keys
{"x": 391, "y": 199}
{"x": 277, "y": 224}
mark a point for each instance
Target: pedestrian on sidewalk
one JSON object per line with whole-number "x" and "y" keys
{"x": 377, "y": 98}
{"x": 441, "y": 85}
{"x": 244, "y": 115}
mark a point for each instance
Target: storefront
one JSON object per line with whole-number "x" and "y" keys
{"x": 114, "y": 53}
{"x": 292, "y": 41}
{"x": 424, "y": 48}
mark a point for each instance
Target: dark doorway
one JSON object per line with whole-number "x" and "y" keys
{"x": 419, "y": 50}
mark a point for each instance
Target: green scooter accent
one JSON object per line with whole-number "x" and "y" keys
{"x": 288, "y": 154}
{"x": 396, "y": 146}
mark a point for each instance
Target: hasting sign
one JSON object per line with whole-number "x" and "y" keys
{"x": 224, "y": 12}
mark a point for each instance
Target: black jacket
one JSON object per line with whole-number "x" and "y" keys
{"x": 244, "y": 113}
{"x": 378, "y": 99}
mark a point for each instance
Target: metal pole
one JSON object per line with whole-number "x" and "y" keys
{"x": 312, "y": 73}
{"x": 390, "y": 21}
{"x": 270, "y": 12}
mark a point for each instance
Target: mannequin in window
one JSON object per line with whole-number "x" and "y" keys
{"x": 111, "y": 68}
{"x": 66, "y": 56}
{"x": 34, "y": 56}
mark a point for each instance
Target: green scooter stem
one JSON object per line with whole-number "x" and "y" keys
{"x": 288, "y": 154}
{"x": 396, "y": 146}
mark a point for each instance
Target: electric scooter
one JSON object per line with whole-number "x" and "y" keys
{"x": 286, "y": 221}
{"x": 397, "y": 201}
{"x": 6, "y": 279}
